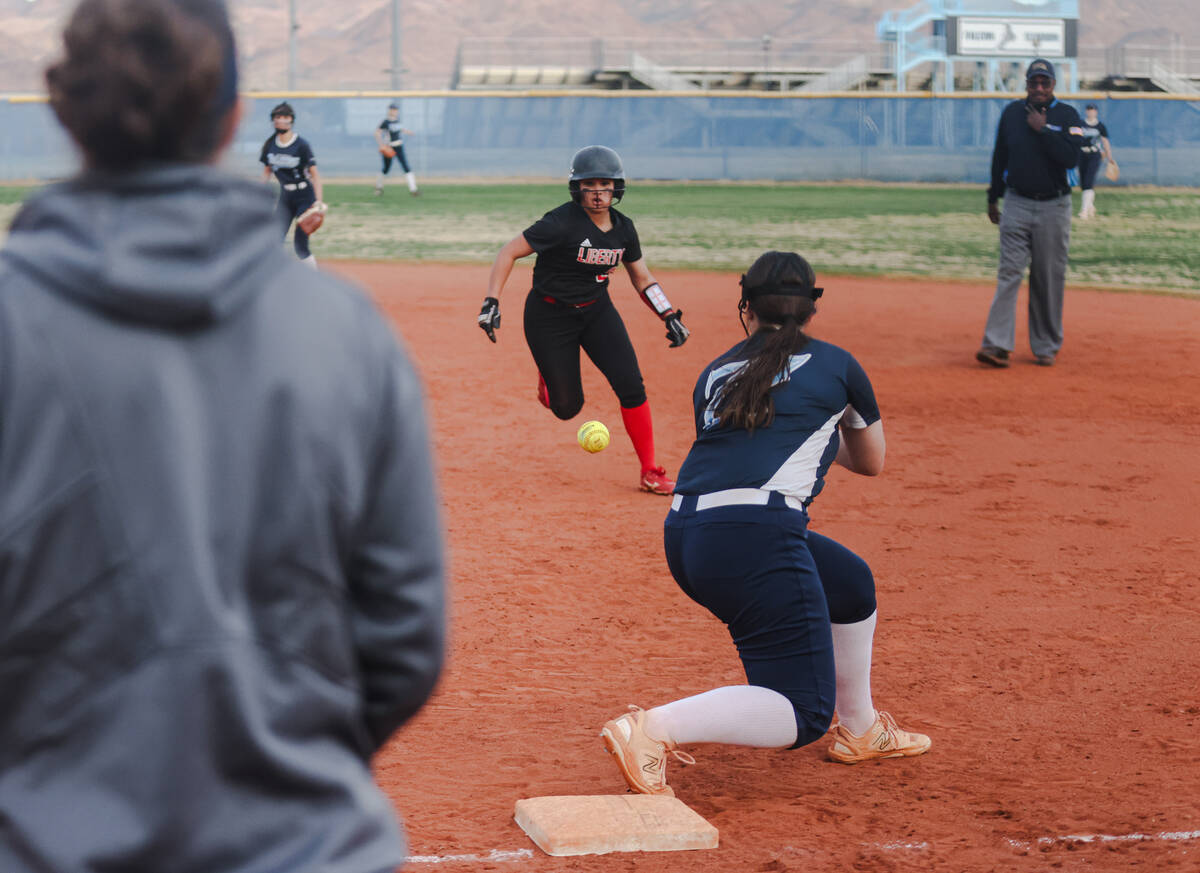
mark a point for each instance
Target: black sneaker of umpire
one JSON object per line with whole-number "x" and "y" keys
{"x": 992, "y": 356}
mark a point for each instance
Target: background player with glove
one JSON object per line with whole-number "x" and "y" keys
{"x": 578, "y": 246}
{"x": 390, "y": 138}
{"x": 1096, "y": 149}
{"x": 290, "y": 158}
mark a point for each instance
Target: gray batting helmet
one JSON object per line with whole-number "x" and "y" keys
{"x": 596, "y": 162}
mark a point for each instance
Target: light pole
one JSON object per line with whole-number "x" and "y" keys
{"x": 396, "y": 45}
{"x": 292, "y": 28}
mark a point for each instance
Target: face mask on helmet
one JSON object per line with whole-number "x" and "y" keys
{"x": 283, "y": 111}
{"x": 596, "y": 162}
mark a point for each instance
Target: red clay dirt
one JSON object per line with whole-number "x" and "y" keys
{"x": 1035, "y": 540}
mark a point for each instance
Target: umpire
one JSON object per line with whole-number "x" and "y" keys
{"x": 1037, "y": 141}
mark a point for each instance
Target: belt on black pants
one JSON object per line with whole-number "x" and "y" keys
{"x": 295, "y": 187}
{"x": 558, "y": 302}
{"x": 1053, "y": 196}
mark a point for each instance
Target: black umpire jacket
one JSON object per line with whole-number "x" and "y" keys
{"x": 1035, "y": 164}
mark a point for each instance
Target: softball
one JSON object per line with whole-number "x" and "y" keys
{"x": 592, "y": 436}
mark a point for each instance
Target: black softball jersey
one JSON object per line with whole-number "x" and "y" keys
{"x": 575, "y": 257}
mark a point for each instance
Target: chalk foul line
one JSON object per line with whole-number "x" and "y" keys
{"x": 1162, "y": 836}
{"x": 501, "y": 856}
{"x": 495, "y": 855}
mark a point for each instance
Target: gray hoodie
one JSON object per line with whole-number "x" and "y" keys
{"x": 221, "y": 564}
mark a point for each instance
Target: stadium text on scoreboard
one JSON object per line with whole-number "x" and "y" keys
{"x": 1015, "y": 37}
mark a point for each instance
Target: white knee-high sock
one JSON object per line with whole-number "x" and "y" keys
{"x": 852, "y": 644}
{"x": 1089, "y": 202}
{"x": 412, "y": 181}
{"x": 310, "y": 261}
{"x": 740, "y": 715}
{"x": 379, "y": 181}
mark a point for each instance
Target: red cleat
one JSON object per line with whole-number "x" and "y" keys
{"x": 542, "y": 394}
{"x": 655, "y": 481}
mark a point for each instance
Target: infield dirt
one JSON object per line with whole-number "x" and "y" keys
{"x": 1034, "y": 539}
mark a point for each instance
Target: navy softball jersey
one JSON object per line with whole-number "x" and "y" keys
{"x": 289, "y": 162}
{"x": 1091, "y": 137}
{"x": 792, "y": 454}
{"x": 394, "y": 131}
{"x": 574, "y": 256}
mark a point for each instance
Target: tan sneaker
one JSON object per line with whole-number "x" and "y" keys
{"x": 642, "y": 759}
{"x": 884, "y": 740}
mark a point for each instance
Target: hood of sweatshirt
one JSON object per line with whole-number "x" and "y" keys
{"x": 175, "y": 246}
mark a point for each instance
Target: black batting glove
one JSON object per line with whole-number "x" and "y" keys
{"x": 489, "y": 317}
{"x": 676, "y": 332}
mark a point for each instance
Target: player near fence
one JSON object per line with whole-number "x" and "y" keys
{"x": 290, "y": 158}
{"x": 772, "y": 414}
{"x": 579, "y": 245}
{"x": 221, "y": 563}
{"x": 1096, "y": 150}
{"x": 389, "y": 136}
{"x": 1037, "y": 142}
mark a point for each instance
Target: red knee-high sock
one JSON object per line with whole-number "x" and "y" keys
{"x": 641, "y": 430}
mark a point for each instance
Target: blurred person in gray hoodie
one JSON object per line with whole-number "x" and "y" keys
{"x": 221, "y": 562}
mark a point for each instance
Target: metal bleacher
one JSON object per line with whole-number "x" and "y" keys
{"x": 668, "y": 65}
{"x": 911, "y": 54}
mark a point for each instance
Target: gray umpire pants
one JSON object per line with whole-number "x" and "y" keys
{"x": 1037, "y": 234}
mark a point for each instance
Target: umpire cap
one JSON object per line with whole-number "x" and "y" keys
{"x": 1040, "y": 67}
{"x": 597, "y": 162}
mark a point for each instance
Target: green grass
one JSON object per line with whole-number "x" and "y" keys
{"x": 1144, "y": 239}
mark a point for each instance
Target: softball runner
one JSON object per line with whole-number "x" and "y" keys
{"x": 772, "y": 414}
{"x": 290, "y": 158}
{"x": 578, "y": 247}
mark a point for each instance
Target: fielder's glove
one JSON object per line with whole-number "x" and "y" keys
{"x": 676, "y": 332}
{"x": 489, "y": 317}
{"x": 311, "y": 219}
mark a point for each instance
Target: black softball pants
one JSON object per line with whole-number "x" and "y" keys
{"x": 288, "y": 208}
{"x": 556, "y": 332}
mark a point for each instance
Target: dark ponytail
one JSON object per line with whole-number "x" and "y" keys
{"x": 779, "y": 288}
{"x": 145, "y": 81}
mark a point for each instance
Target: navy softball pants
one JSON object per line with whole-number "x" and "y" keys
{"x": 400, "y": 159}
{"x": 557, "y": 331}
{"x": 777, "y": 587}
{"x": 290, "y": 206}
{"x": 1089, "y": 165}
